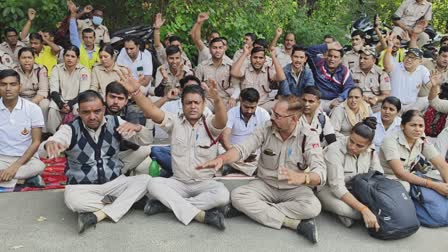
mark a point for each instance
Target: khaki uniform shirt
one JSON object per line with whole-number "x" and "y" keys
{"x": 6, "y": 61}
{"x": 190, "y": 146}
{"x": 351, "y": 59}
{"x": 432, "y": 66}
{"x": 373, "y": 83}
{"x": 410, "y": 12}
{"x": 283, "y": 57}
{"x": 69, "y": 85}
{"x": 342, "y": 166}
{"x": 206, "y": 70}
{"x": 316, "y": 125}
{"x": 258, "y": 80}
{"x": 101, "y": 77}
{"x": 340, "y": 122}
{"x": 161, "y": 55}
{"x": 101, "y": 32}
{"x": 172, "y": 80}
{"x": 34, "y": 84}
{"x": 14, "y": 54}
{"x": 396, "y": 147}
{"x": 275, "y": 153}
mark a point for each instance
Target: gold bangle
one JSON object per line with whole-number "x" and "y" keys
{"x": 307, "y": 178}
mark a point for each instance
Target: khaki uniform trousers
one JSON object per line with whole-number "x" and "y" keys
{"x": 32, "y": 168}
{"x": 269, "y": 206}
{"x": 54, "y": 120}
{"x": 88, "y": 198}
{"x": 132, "y": 159}
{"x": 334, "y": 205}
{"x": 45, "y": 106}
{"x": 186, "y": 200}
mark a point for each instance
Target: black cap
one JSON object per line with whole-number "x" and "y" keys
{"x": 417, "y": 52}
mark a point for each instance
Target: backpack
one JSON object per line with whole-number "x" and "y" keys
{"x": 431, "y": 207}
{"x": 390, "y": 203}
{"x": 434, "y": 122}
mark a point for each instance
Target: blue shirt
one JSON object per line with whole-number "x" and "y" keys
{"x": 331, "y": 85}
{"x": 291, "y": 86}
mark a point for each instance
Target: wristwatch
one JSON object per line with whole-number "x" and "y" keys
{"x": 307, "y": 178}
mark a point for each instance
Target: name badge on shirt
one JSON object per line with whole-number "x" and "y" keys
{"x": 140, "y": 69}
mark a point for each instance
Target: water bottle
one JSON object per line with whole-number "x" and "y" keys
{"x": 154, "y": 169}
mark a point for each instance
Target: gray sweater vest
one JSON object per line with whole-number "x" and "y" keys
{"x": 93, "y": 163}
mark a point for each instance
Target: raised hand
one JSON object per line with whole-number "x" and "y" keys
{"x": 246, "y": 49}
{"x": 173, "y": 94}
{"x": 278, "y": 32}
{"x": 212, "y": 89}
{"x": 436, "y": 78}
{"x": 202, "y": 17}
{"x": 71, "y": 7}
{"x": 159, "y": 21}
{"x": 88, "y": 9}
{"x": 130, "y": 83}
{"x": 31, "y": 14}
{"x": 273, "y": 52}
{"x": 390, "y": 40}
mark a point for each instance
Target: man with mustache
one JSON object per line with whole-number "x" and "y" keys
{"x": 351, "y": 58}
{"x": 298, "y": 75}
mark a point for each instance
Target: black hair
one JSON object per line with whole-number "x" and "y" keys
{"x": 26, "y": 49}
{"x": 224, "y": 39}
{"x": 312, "y": 90}
{"x": 257, "y": 49}
{"x": 170, "y": 50}
{"x": 341, "y": 51}
{"x": 115, "y": 87}
{"x": 109, "y": 49}
{"x": 132, "y": 39}
{"x": 214, "y": 31}
{"x": 89, "y": 95}
{"x": 192, "y": 89}
{"x": 289, "y": 33}
{"x": 216, "y": 40}
{"x": 250, "y": 95}
{"x": 36, "y": 36}
{"x": 72, "y": 48}
{"x": 443, "y": 91}
{"x": 174, "y": 38}
{"x": 358, "y": 33}
{"x": 408, "y": 115}
{"x": 252, "y": 36}
{"x": 329, "y": 36}
{"x": 353, "y": 88}
{"x": 9, "y": 73}
{"x": 11, "y": 29}
{"x": 366, "y": 128}
{"x": 443, "y": 49}
{"x": 392, "y": 100}
{"x": 188, "y": 78}
{"x": 296, "y": 48}
{"x": 262, "y": 42}
{"x": 88, "y": 30}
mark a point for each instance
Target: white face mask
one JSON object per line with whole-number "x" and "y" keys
{"x": 97, "y": 20}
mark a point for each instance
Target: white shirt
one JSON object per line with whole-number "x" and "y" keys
{"x": 381, "y": 132}
{"x": 239, "y": 129}
{"x": 406, "y": 86}
{"x": 141, "y": 65}
{"x": 15, "y": 127}
{"x": 174, "y": 107}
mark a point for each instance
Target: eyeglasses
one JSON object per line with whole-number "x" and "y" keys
{"x": 277, "y": 115}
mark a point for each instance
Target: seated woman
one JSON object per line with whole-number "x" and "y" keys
{"x": 387, "y": 119}
{"x": 350, "y": 112}
{"x": 107, "y": 71}
{"x": 67, "y": 80}
{"x": 346, "y": 158}
{"x": 401, "y": 151}
{"x": 33, "y": 80}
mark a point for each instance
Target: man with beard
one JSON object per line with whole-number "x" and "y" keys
{"x": 291, "y": 163}
{"x": 131, "y": 154}
{"x": 191, "y": 194}
{"x": 169, "y": 74}
{"x": 284, "y": 53}
{"x": 218, "y": 69}
{"x": 374, "y": 82}
{"x": 257, "y": 74}
{"x": 440, "y": 64}
{"x": 351, "y": 58}
{"x": 95, "y": 187}
{"x": 298, "y": 75}
{"x": 12, "y": 45}
{"x": 410, "y": 81}
{"x": 331, "y": 77}
{"x": 242, "y": 121}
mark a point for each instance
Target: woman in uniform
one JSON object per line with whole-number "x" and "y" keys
{"x": 347, "y": 157}
{"x": 350, "y": 112}
{"x": 387, "y": 119}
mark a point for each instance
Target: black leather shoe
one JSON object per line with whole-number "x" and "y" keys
{"x": 154, "y": 207}
{"x": 308, "y": 229}
{"x": 215, "y": 218}
{"x": 229, "y": 211}
{"x": 86, "y": 220}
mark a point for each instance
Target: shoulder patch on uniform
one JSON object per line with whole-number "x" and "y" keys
{"x": 84, "y": 77}
{"x": 387, "y": 78}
